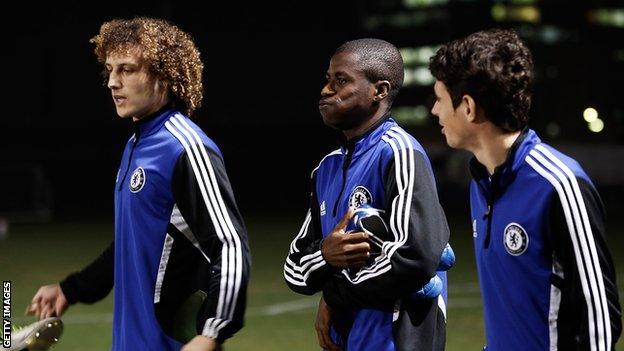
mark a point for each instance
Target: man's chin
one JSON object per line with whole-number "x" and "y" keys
{"x": 331, "y": 124}
{"x": 123, "y": 114}
{"x": 338, "y": 124}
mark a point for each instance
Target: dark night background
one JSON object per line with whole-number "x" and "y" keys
{"x": 265, "y": 62}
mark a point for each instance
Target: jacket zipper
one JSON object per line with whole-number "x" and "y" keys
{"x": 345, "y": 166}
{"x": 491, "y": 195}
{"x": 488, "y": 215}
{"x": 136, "y": 141}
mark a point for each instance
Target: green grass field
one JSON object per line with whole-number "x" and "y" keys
{"x": 277, "y": 319}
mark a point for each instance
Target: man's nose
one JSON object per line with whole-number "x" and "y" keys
{"x": 113, "y": 81}
{"x": 434, "y": 109}
{"x": 327, "y": 90}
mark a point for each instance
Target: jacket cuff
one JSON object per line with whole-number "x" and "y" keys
{"x": 69, "y": 287}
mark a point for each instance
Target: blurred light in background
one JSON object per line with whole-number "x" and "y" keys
{"x": 411, "y": 115}
{"x": 423, "y": 3}
{"x": 596, "y": 126}
{"x": 406, "y": 19}
{"x": 515, "y": 13}
{"x": 607, "y": 17}
{"x": 418, "y": 55}
{"x": 416, "y": 63}
{"x": 594, "y": 123}
{"x": 553, "y": 130}
{"x": 590, "y": 115}
{"x": 419, "y": 76}
{"x": 546, "y": 34}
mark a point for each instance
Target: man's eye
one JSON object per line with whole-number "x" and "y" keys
{"x": 341, "y": 81}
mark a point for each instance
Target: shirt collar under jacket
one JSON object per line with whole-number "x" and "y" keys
{"x": 152, "y": 123}
{"x": 506, "y": 172}
{"x": 366, "y": 140}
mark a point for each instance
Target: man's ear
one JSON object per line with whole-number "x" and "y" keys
{"x": 163, "y": 88}
{"x": 382, "y": 89}
{"x": 160, "y": 84}
{"x": 469, "y": 107}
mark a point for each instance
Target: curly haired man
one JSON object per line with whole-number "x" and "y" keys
{"x": 546, "y": 275}
{"x": 179, "y": 263}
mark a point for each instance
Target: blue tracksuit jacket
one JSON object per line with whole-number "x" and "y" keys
{"x": 389, "y": 170}
{"x": 546, "y": 275}
{"x": 180, "y": 255}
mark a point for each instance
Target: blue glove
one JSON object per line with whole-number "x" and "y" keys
{"x": 447, "y": 258}
{"x": 431, "y": 290}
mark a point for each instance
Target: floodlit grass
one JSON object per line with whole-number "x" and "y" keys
{"x": 38, "y": 254}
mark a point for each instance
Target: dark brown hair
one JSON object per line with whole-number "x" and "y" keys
{"x": 495, "y": 68}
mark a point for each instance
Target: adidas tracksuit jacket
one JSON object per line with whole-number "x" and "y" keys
{"x": 547, "y": 278}
{"x": 388, "y": 169}
{"x": 180, "y": 256}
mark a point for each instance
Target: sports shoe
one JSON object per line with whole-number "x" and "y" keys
{"x": 38, "y": 336}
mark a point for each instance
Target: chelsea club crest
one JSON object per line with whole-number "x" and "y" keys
{"x": 515, "y": 239}
{"x": 359, "y": 196}
{"x": 137, "y": 180}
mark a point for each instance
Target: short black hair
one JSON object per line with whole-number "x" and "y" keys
{"x": 495, "y": 68}
{"x": 379, "y": 60}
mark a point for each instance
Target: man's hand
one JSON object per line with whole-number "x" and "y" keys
{"x": 202, "y": 343}
{"x": 323, "y": 322}
{"x": 49, "y": 301}
{"x": 345, "y": 250}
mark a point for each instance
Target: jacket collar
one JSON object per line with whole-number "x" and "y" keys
{"x": 366, "y": 140}
{"x": 150, "y": 124}
{"x": 506, "y": 172}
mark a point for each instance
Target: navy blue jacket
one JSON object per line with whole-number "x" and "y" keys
{"x": 389, "y": 170}
{"x": 547, "y": 278}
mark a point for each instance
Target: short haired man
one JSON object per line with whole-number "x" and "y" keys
{"x": 547, "y": 278}
{"x": 367, "y": 291}
{"x": 180, "y": 259}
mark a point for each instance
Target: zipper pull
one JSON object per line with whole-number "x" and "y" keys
{"x": 487, "y": 212}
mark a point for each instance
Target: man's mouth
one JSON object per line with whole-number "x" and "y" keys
{"x": 118, "y": 99}
{"x": 324, "y": 103}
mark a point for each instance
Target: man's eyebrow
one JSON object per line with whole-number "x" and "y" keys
{"x": 123, "y": 64}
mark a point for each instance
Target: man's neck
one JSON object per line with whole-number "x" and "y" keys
{"x": 364, "y": 126}
{"x": 492, "y": 147}
{"x": 152, "y": 114}
{"x": 163, "y": 104}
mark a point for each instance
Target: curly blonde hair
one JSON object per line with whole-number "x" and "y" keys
{"x": 170, "y": 53}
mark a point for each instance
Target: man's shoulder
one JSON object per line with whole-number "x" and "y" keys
{"x": 554, "y": 165}
{"x": 398, "y": 137}
{"x": 398, "y": 143}
{"x": 329, "y": 159}
{"x": 186, "y": 135}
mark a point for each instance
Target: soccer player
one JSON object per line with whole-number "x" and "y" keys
{"x": 180, "y": 261}
{"x": 547, "y": 278}
{"x": 367, "y": 289}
